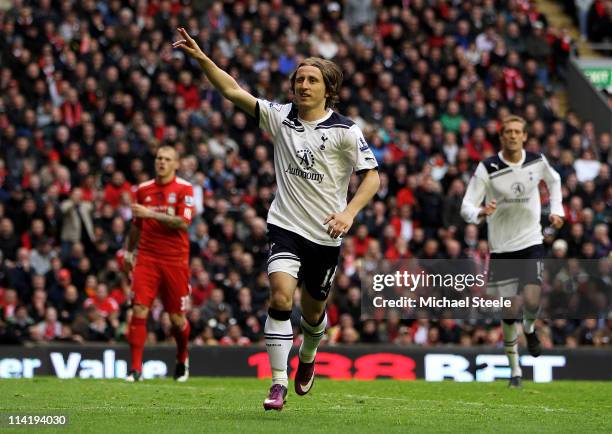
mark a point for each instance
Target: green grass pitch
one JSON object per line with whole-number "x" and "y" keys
{"x": 235, "y": 405}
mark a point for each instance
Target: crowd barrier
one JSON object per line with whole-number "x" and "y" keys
{"x": 361, "y": 362}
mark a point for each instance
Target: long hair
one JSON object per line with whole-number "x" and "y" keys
{"x": 332, "y": 77}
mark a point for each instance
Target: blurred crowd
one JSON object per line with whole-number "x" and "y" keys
{"x": 593, "y": 17}
{"x": 89, "y": 90}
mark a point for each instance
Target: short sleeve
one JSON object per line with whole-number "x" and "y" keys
{"x": 186, "y": 204}
{"x": 270, "y": 115}
{"x": 359, "y": 151}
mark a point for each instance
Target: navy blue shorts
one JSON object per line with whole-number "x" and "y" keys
{"x": 516, "y": 269}
{"x": 314, "y": 265}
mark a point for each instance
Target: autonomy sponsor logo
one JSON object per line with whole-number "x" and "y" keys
{"x": 518, "y": 188}
{"x": 306, "y": 160}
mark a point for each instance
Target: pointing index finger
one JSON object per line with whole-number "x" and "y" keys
{"x": 184, "y": 33}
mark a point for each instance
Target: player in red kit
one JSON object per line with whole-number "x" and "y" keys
{"x": 162, "y": 215}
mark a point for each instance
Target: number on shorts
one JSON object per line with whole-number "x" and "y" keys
{"x": 329, "y": 277}
{"x": 540, "y": 270}
{"x": 184, "y": 303}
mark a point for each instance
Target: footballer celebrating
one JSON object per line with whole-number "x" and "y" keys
{"x": 315, "y": 153}
{"x": 162, "y": 213}
{"x": 509, "y": 182}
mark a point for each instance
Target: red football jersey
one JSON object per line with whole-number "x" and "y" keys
{"x": 158, "y": 241}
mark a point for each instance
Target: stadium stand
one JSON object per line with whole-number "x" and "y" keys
{"x": 593, "y": 17}
{"x": 88, "y": 90}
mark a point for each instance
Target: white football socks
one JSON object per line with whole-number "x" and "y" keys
{"x": 529, "y": 319}
{"x": 312, "y": 338}
{"x": 279, "y": 339}
{"x": 511, "y": 348}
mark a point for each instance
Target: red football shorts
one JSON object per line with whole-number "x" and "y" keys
{"x": 170, "y": 279}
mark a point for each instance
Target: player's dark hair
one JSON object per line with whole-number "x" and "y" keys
{"x": 332, "y": 77}
{"x": 513, "y": 118}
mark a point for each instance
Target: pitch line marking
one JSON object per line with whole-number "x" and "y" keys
{"x": 466, "y": 403}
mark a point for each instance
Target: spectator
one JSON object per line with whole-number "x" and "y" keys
{"x": 599, "y": 20}
{"x": 77, "y": 223}
{"x": 580, "y": 10}
{"x": 479, "y": 147}
{"x": 106, "y": 306}
{"x": 8, "y": 304}
{"x": 585, "y": 334}
{"x": 19, "y": 326}
{"x": 114, "y": 189}
{"x": 234, "y": 337}
{"x": 71, "y": 305}
{"x": 41, "y": 256}
{"x": 8, "y": 241}
{"x": 98, "y": 328}
{"x": 49, "y": 329}
{"x": 452, "y": 206}
{"x": 587, "y": 167}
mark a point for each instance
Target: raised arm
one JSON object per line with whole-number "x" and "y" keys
{"x": 220, "y": 79}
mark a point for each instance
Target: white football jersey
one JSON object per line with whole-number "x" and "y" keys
{"x": 515, "y": 224}
{"x": 313, "y": 163}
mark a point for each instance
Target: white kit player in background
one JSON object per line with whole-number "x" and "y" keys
{"x": 315, "y": 152}
{"x": 509, "y": 182}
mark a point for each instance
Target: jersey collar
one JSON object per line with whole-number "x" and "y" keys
{"x": 169, "y": 182}
{"x": 318, "y": 121}
{"x": 517, "y": 164}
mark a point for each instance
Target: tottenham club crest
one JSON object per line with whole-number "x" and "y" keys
{"x": 323, "y": 139}
{"x": 518, "y": 188}
{"x": 306, "y": 159}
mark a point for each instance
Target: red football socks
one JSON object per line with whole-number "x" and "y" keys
{"x": 137, "y": 338}
{"x": 182, "y": 340}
